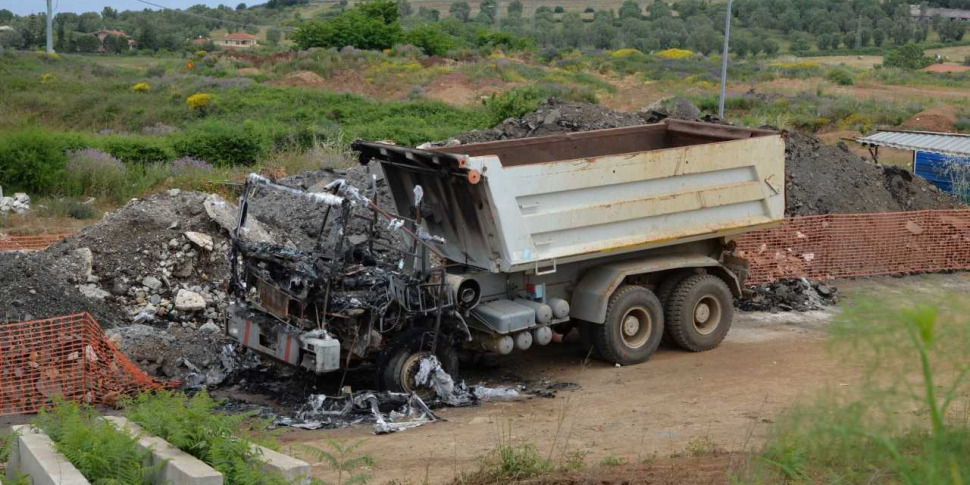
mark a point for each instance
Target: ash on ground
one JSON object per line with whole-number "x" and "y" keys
{"x": 787, "y": 295}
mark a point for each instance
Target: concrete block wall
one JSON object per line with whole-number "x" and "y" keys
{"x": 33, "y": 454}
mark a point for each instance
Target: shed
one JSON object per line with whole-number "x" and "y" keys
{"x": 933, "y": 153}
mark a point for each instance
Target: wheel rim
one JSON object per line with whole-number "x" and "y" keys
{"x": 707, "y": 315}
{"x": 636, "y": 327}
{"x": 408, "y": 372}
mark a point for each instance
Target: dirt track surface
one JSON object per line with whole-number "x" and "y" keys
{"x": 730, "y": 396}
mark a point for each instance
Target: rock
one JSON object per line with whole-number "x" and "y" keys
{"x": 209, "y": 327}
{"x": 92, "y": 291}
{"x": 184, "y": 270}
{"x": 224, "y": 214}
{"x": 201, "y": 240}
{"x": 174, "y": 192}
{"x": 173, "y": 243}
{"x": 189, "y": 301}
{"x": 21, "y": 197}
{"x": 151, "y": 282}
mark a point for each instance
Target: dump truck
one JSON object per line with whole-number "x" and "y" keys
{"x": 622, "y": 234}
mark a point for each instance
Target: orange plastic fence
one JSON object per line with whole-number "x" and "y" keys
{"x": 846, "y": 245}
{"x": 68, "y": 357}
{"x": 29, "y": 243}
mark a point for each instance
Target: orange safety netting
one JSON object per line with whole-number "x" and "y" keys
{"x": 847, "y": 245}
{"x": 29, "y": 243}
{"x": 68, "y": 357}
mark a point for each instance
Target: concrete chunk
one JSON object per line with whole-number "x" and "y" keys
{"x": 295, "y": 471}
{"x": 34, "y": 455}
{"x": 181, "y": 469}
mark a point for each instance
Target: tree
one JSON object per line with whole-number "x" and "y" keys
{"x": 658, "y": 9}
{"x": 909, "y": 56}
{"x": 430, "y": 39}
{"x": 865, "y": 37}
{"x": 61, "y": 44}
{"x": 404, "y": 8}
{"x": 369, "y": 25}
{"x": 11, "y": 39}
{"x": 431, "y": 14}
{"x": 147, "y": 36}
{"x": 109, "y": 13}
{"x": 878, "y": 37}
{"x": 240, "y": 7}
{"x": 115, "y": 44}
{"x": 801, "y": 42}
{"x": 559, "y": 9}
{"x": 87, "y": 43}
{"x": 630, "y": 9}
{"x": 89, "y": 22}
{"x": 572, "y": 29}
{"x": 850, "y": 39}
{"x": 5, "y": 16}
{"x": 515, "y": 9}
{"x": 770, "y": 46}
{"x": 461, "y": 11}
{"x": 273, "y": 36}
{"x": 487, "y": 11}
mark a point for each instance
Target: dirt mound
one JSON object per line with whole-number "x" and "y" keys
{"x": 351, "y": 82}
{"x": 459, "y": 88}
{"x": 831, "y": 180}
{"x": 248, "y": 71}
{"x": 302, "y": 79}
{"x": 941, "y": 119}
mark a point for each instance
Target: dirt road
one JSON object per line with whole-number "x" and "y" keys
{"x": 728, "y": 396}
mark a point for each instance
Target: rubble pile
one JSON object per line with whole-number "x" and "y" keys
{"x": 162, "y": 258}
{"x": 787, "y": 295}
{"x": 557, "y": 116}
{"x": 300, "y": 222}
{"x": 19, "y": 203}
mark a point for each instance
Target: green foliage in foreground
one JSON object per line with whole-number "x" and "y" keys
{"x": 101, "y": 452}
{"x": 342, "y": 460}
{"x": 901, "y": 423}
{"x": 194, "y": 426}
{"x": 909, "y": 56}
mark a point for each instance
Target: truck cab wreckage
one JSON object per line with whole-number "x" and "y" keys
{"x": 622, "y": 233}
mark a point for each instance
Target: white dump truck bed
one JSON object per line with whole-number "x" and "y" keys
{"x": 534, "y": 203}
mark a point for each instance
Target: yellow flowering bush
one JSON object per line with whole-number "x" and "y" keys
{"x": 201, "y": 54}
{"x": 199, "y": 102}
{"x": 623, "y": 53}
{"x": 675, "y": 53}
{"x": 141, "y": 87}
{"x": 48, "y": 78}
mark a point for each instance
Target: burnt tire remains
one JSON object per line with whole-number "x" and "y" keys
{"x": 633, "y": 327}
{"x": 398, "y": 365}
{"x": 699, "y": 312}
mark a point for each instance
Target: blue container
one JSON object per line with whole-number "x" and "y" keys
{"x": 932, "y": 167}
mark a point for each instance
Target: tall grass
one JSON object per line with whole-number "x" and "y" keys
{"x": 906, "y": 421}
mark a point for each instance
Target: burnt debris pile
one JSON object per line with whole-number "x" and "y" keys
{"x": 787, "y": 295}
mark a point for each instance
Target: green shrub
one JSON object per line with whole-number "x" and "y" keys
{"x": 222, "y": 144}
{"x": 194, "y": 426}
{"x": 138, "y": 150}
{"x": 101, "y": 452}
{"x": 909, "y": 56}
{"x": 512, "y": 104}
{"x": 368, "y": 25}
{"x": 33, "y": 160}
{"x": 430, "y": 39}
{"x": 66, "y": 207}
{"x": 839, "y": 76}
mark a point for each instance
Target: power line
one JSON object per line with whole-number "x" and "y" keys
{"x": 206, "y": 17}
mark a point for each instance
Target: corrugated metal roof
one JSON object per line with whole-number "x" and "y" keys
{"x": 944, "y": 143}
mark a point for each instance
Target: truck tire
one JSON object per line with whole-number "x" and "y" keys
{"x": 398, "y": 363}
{"x": 699, "y": 312}
{"x": 633, "y": 327}
{"x": 664, "y": 290}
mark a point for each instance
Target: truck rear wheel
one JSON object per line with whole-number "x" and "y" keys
{"x": 633, "y": 327}
{"x": 664, "y": 290}
{"x": 699, "y": 313}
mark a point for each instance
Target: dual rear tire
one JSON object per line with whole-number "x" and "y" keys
{"x": 696, "y": 315}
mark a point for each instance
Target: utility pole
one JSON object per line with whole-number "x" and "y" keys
{"x": 50, "y": 28}
{"x": 724, "y": 60}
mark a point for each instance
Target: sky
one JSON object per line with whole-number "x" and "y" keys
{"x": 24, "y": 7}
